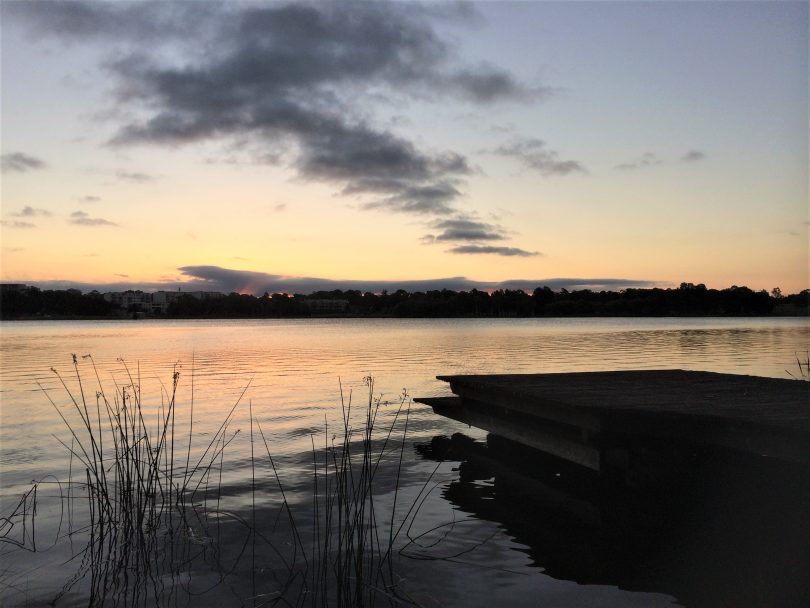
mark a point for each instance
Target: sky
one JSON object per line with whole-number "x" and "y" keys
{"x": 272, "y": 146}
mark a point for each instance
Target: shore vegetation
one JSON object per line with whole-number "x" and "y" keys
{"x": 687, "y": 300}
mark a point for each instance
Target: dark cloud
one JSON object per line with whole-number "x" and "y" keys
{"x": 215, "y": 278}
{"x": 90, "y": 198}
{"x": 648, "y": 159}
{"x": 490, "y": 250}
{"x": 134, "y": 177}
{"x": 344, "y": 153}
{"x": 692, "y": 156}
{"x": 28, "y": 211}
{"x": 279, "y": 207}
{"x": 330, "y": 149}
{"x": 421, "y": 199}
{"x": 291, "y": 77}
{"x": 83, "y": 219}
{"x": 17, "y": 224}
{"x": 462, "y": 229}
{"x": 226, "y": 280}
{"x": 487, "y": 84}
{"x": 20, "y": 162}
{"x": 535, "y": 155}
{"x": 13, "y": 249}
{"x": 118, "y": 21}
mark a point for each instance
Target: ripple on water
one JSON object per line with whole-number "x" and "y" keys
{"x": 294, "y": 372}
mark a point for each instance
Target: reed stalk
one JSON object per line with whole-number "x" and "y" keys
{"x": 141, "y": 515}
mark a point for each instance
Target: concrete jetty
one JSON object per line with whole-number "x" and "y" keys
{"x": 614, "y": 419}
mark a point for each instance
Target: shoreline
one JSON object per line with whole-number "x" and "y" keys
{"x": 783, "y": 315}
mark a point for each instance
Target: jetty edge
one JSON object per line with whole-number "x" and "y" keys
{"x": 620, "y": 420}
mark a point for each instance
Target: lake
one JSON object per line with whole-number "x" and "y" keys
{"x": 290, "y": 382}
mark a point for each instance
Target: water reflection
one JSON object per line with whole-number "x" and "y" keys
{"x": 295, "y": 369}
{"x": 722, "y": 529}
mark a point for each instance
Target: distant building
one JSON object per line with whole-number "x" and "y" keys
{"x": 161, "y": 300}
{"x": 154, "y": 303}
{"x": 13, "y": 287}
{"x": 206, "y": 295}
{"x": 129, "y": 300}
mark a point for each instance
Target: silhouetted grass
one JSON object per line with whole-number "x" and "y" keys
{"x": 804, "y": 367}
{"x": 146, "y": 511}
{"x": 350, "y": 561}
{"x": 135, "y": 490}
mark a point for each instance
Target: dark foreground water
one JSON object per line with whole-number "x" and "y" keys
{"x": 447, "y": 522}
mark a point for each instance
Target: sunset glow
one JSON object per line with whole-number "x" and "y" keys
{"x": 157, "y": 145}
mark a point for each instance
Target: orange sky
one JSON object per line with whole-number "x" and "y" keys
{"x": 647, "y": 142}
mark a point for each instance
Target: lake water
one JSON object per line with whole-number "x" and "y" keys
{"x": 288, "y": 376}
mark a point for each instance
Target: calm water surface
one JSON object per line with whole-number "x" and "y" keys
{"x": 292, "y": 372}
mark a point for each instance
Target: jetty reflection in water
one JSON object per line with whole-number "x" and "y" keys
{"x": 726, "y": 529}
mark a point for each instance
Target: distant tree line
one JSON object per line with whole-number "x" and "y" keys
{"x": 35, "y": 302}
{"x": 686, "y": 300}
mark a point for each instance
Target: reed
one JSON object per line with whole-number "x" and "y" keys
{"x": 803, "y": 364}
{"x": 148, "y": 507}
{"x": 136, "y": 490}
{"x": 351, "y": 556}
